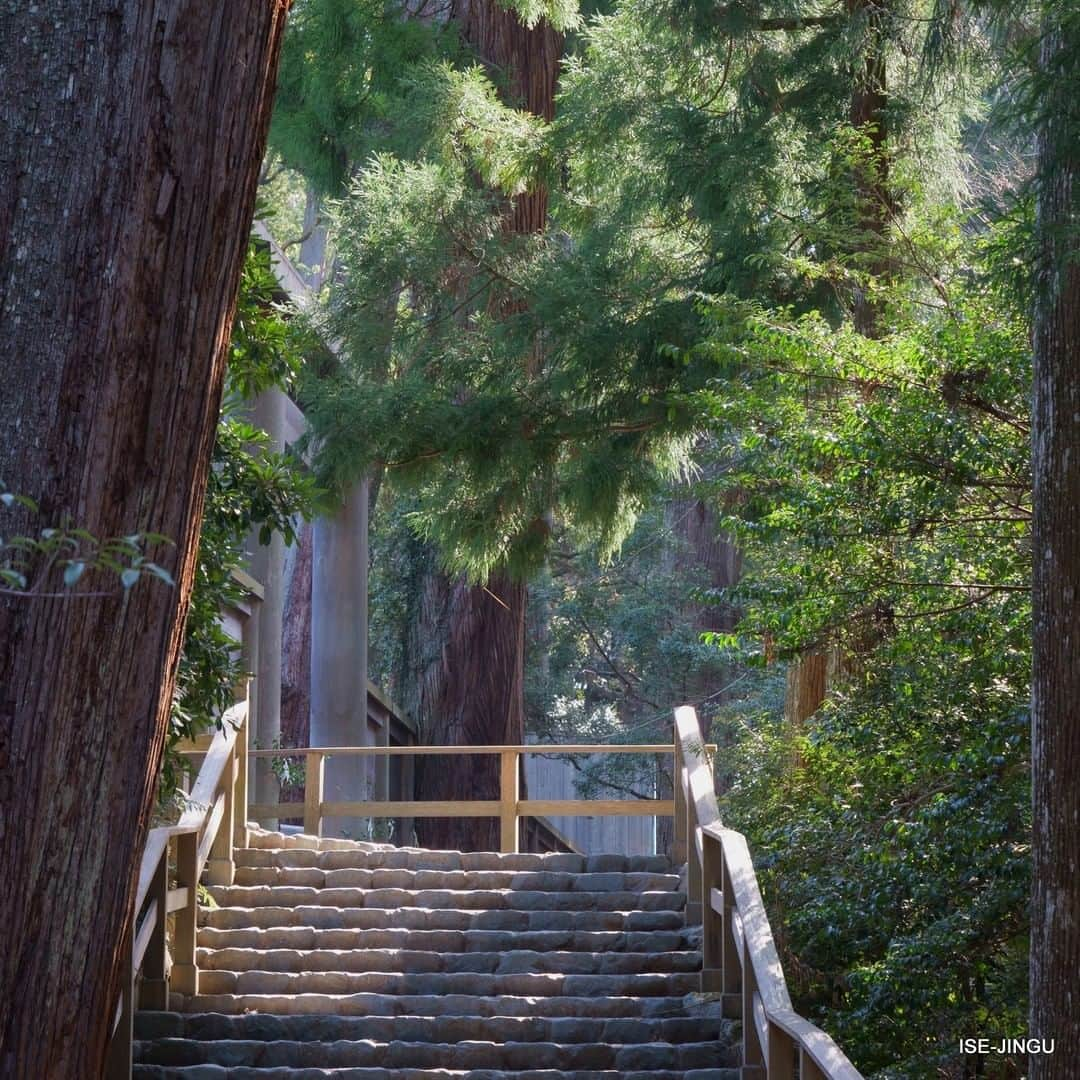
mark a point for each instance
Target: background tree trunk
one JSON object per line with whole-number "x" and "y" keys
{"x": 1055, "y": 757}
{"x": 475, "y": 696}
{"x": 130, "y": 140}
{"x": 476, "y": 692}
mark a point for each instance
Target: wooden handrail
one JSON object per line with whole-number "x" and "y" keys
{"x": 524, "y": 748}
{"x": 740, "y": 956}
{"x": 509, "y": 807}
{"x": 740, "y": 959}
{"x": 203, "y": 839}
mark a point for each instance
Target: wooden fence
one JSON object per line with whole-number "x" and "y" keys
{"x": 740, "y": 958}
{"x": 509, "y": 808}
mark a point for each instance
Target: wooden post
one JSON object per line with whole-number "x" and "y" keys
{"x": 118, "y": 1064}
{"x": 154, "y": 988}
{"x": 314, "y": 775}
{"x": 809, "y": 1069}
{"x": 694, "y": 885}
{"x": 185, "y": 973}
{"x": 509, "y": 793}
{"x": 781, "y": 1056}
{"x": 678, "y": 848}
{"x": 712, "y": 921}
{"x": 731, "y": 1004}
{"x": 240, "y": 794}
{"x": 405, "y": 825}
{"x": 220, "y": 867}
{"x": 753, "y": 1051}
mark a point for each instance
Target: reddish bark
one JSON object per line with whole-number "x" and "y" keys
{"x": 296, "y": 647}
{"x": 475, "y": 693}
{"x": 130, "y": 139}
{"x": 475, "y": 697}
{"x": 1055, "y": 750}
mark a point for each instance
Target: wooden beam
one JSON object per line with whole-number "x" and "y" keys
{"x": 531, "y": 748}
{"x": 597, "y": 808}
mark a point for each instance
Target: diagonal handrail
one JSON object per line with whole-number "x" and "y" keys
{"x": 740, "y": 959}
{"x": 202, "y": 840}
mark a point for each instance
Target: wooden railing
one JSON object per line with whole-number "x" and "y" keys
{"x": 509, "y": 808}
{"x": 740, "y": 958}
{"x": 174, "y": 860}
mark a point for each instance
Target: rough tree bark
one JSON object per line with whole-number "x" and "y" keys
{"x": 130, "y": 140}
{"x": 1055, "y": 758}
{"x": 296, "y": 647}
{"x": 473, "y": 695}
{"x": 477, "y": 691}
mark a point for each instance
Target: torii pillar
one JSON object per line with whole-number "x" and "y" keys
{"x": 339, "y": 659}
{"x": 267, "y": 562}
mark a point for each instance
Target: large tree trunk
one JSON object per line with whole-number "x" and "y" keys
{"x": 477, "y": 691}
{"x": 130, "y": 140}
{"x": 1055, "y": 908}
{"x": 473, "y": 695}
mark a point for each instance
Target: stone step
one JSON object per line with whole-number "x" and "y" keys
{"x": 468, "y": 1055}
{"x": 470, "y": 983}
{"x": 412, "y": 1004}
{"x": 550, "y": 881}
{"x": 370, "y": 856}
{"x": 512, "y": 962}
{"x": 330, "y": 917}
{"x": 447, "y": 941}
{"x": 434, "y": 1029}
{"x": 220, "y": 1072}
{"x": 477, "y": 899}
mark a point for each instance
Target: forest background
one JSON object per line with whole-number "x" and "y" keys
{"x": 697, "y": 338}
{"x": 687, "y": 352}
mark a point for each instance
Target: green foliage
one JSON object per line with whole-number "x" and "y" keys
{"x": 448, "y": 386}
{"x": 880, "y": 491}
{"x": 533, "y": 401}
{"x": 338, "y": 83}
{"x": 53, "y": 562}
{"x": 249, "y": 488}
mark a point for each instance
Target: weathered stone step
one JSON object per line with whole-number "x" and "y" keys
{"x": 220, "y": 1072}
{"x": 512, "y": 962}
{"x": 481, "y": 985}
{"x": 434, "y": 1029}
{"x": 469, "y": 1055}
{"x": 447, "y": 941}
{"x": 329, "y": 917}
{"x": 411, "y": 1004}
{"x": 550, "y": 881}
{"x": 478, "y": 899}
{"x": 367, "y": 856}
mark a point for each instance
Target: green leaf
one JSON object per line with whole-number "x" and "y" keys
{"x": 14, "y": 578}
{"x": 159, "y": 572}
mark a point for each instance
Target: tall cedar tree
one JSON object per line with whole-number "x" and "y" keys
{"x": 476, "y": 692}
{"x": 1055, "y": 751}
{"x": 130, "y": 137}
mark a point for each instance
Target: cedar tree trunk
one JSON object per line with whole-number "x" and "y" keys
{"x": 478, "y": 692}
{"x": 475, "y": 696}
{"x": 130, "y": 138}
{"x": 1055, "y": 908}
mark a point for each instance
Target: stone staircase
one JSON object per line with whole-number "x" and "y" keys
{"x": 332, "y": 958}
